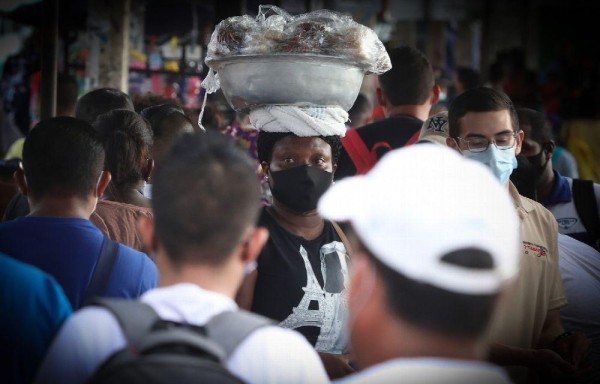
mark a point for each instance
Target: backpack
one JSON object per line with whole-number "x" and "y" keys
{"x": 109, "y": 253}
{"x": 160, "y": 351}
{"x": 362, "y": 157}
{"x": 584, "y": 200}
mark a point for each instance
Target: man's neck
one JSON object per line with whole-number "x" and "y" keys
{"x": 420, "y": 112}
{"x": 54, "y": 206}
{"x": 220, "y": 279}
{"x": 309, "y": 225}
{"x": 417, "y": 343}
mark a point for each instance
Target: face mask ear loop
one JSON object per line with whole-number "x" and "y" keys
{"x": 541, "y": 166}
{"x": 457, "y": 146}
{"x": 548, "y": 159}
{"x": 268, "y": 176}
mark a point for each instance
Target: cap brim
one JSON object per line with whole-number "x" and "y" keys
{"x": 341, "y": 201}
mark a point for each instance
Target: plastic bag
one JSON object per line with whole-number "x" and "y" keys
{"x": 321, "y": 32}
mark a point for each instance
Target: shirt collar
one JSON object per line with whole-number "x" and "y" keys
{"x": 521, "y": 203}
{"x": 561, "y": 191}
{"x": 189, "y": 303}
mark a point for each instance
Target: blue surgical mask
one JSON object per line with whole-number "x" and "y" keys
{"x": 500, "y": 162}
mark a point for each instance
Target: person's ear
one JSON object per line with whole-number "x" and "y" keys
{"x": 21, "y": 181}
{"x": 254, "y": 244}
{"x": 265, "y": 167}
{"x": 265, "y": 171}
{"x": 435, "y": 94}
{"x": 520, "y": 137}
{"x": 103, "y": 182}
{"x": 549, "y": 149}
{"x": 145, "y": 226}
{"x": 147, "y": 170}
{"x": 451, "y": 143}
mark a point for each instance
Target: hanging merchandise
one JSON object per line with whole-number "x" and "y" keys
{"x": 193, "y": 92}
{"x": 155, "y": 63}
{"x": 172, "y": 53}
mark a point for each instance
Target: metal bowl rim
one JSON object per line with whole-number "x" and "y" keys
{"x": 291, "y": 58}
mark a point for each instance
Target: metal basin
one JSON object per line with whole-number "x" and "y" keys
{"x": 302, "y": 80}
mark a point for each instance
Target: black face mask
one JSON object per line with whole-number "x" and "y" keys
{"x": 536, "y": 161}
{"x": 537, "y": 164}
{"x": 300, "y": 188}
{"x": 524, "y": 177}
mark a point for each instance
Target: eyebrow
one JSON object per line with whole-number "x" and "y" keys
{"x": 483, "y": 136}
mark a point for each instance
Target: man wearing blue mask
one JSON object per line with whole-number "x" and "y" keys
{"x": 483, "y": 126}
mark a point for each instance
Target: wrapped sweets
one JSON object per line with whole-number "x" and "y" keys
{"x": 313, "y": 60}
{"x": 321, "y": 32}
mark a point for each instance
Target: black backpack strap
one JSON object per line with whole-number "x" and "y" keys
{"x": 104, "y": 266}
{"x": 135, "y": 318}
{"x": 230, "y": 328}
{"x": 584, "y": 199}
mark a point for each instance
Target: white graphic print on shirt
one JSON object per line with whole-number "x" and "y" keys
{"x": 331, "y": 300}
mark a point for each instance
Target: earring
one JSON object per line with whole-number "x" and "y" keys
{"x": 266, "y": 178}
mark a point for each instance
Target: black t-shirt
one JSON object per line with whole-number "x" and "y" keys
{"x": 302, "y": 284}
{"x": 395, "y": 130}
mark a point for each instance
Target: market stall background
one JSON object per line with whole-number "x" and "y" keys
{"x": 159, "y": 46}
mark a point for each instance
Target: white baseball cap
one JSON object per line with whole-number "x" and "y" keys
{"x": 435, "y": 129}
{"x": 423, "y": 202}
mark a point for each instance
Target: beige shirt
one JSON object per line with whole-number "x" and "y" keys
{"x": 538, "y": 288}
{"x": 118, "y": 221}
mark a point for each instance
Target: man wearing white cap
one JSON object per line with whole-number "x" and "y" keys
{"x": 483, "y": 126}
{"x": 426, "y": 276}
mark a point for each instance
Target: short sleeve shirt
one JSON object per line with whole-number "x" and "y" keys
{"x": 538, "y": 287}
{"x": 302, "y": 284}
{"x": 68, "y": 250}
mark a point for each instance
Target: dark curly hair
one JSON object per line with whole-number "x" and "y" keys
{"x": 266, "y": 141}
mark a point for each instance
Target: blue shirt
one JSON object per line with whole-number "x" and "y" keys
{"x": 560, "y": 203}
{"x": 68, "y": 249}
{"x": 32, "y": 308}
{"x": 560, "y": 193}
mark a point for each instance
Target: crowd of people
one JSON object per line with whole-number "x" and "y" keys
{"x": 421, "y": 247}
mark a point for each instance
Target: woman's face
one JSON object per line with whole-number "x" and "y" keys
{"x": 301, "y": 170}
{"x": 294, "y": 151}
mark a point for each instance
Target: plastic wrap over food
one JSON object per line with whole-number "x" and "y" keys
{"x": 322, "y": 32}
